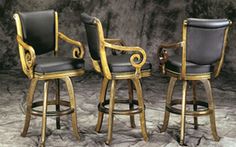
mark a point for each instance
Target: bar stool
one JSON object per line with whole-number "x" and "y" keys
{"x": 37, "y": 34}
{"x": 203, "y": 49}
{"x": 130, "y": 67}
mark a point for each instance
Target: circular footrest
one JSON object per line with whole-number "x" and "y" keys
{"x": 102, "y": 108}
{"x": 205, "y": 111}
{"x": 52, "y": 113}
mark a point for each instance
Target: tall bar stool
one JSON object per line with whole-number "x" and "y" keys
{"x": 37, "y": 34}
{"x": 203, "y": 49}
{"x": 130, "y": 67}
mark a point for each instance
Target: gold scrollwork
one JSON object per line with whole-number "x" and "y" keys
{"x": 137, "y": 60}
{"x": 29, "y": 57}
{"x": 78, "y": 52}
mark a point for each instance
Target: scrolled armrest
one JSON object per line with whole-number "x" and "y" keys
{"x": 162, "y": 54}
{"x": 77, "y": 52}
{"x": 27, "y": 57}
{"x": 137, "y": 59}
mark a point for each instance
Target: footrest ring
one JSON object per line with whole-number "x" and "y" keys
{"x": 205, "y": 111}
{"x": 102, "y": 108}
{"x": 52, "y": 113}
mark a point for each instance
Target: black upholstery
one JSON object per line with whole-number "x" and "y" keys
{"x": 38, "y": 30}
{"x": 92, "y": 35}
{"x": 57, "y": 64}
{"x": 121, "y": 63}
{"x": 205, "y": 40}
{"x": 174, "y": 63}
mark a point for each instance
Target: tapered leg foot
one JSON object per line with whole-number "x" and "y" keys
{"x": 211, "y": 107}
{"x": 110, "y": 115}
{"x": 141, "y": 105}
{"x": 29, "y": 102}
{"x": 183, "y": 110}
{"x": 168, "y": 100}
{"x": 101, "y": 100}
{"x": 44, "y": 117}
{"x": 131, "y": 105}
{"x": 73, "y": 106}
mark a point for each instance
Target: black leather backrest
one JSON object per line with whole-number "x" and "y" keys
{"x": 38, "y": 30}
{"x": 205, "y": 40}
{"x": 92, "y": 35}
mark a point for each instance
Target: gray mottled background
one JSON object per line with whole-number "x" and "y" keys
{"x": 145, "y": 23}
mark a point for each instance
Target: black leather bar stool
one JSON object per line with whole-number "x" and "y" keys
{"x": 203, "y": 49}
{"x": 37, "y": 34}
{"x": 130, "y": 67}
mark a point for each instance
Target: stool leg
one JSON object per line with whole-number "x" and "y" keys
{"x": 141, "y": 105}
{"x": 131, "y": 105}
{"x": 73, "y": 106}
{"x": 182, "y": 129}
{"x": 57, "y": 103}
{"x": 211, "y": 107}
{"x": 102, "y": 98}
{"x": 168, "y": 100}
{"x": 44, "y": 117}
{"x": 29, "y": 101}
{"x": 110, "y": 115}
{"x": 194, "y": 104}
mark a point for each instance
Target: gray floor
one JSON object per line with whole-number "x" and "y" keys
{"x": 12, "y": 99}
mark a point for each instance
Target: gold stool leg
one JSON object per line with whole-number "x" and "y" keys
{"x": 182, "y": 129}
{"x": 141, "y": 105}
{"x": 73, "y": 106}
{"x": 168, "y": 100}
{"x": 57, "y": 103}
{"x": 44, "y": 117}
{"x": 29, "y": 101}
{"x": 101, "y": 100}
{"x": 110, "y": 115}
{"x": 194, "y": 104}
{"x": 131, "y": 105}
{"x": 211, "y": 107}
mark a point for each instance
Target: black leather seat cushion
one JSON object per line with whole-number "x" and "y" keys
{"x": 174, "y": 63}
{"x": 121, "y": 63}
{"x": 57, "y": 64}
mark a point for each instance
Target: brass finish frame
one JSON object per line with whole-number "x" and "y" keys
{"x": 27, "y": 58}
{"x": 131, "y": 77}
{"x": 203, "y": 77}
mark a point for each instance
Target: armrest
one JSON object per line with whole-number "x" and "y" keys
{"x": 162, "y": 54}
{"x": 27, "y": 56}
{"x": 116, "y": 42}
{"x": 136, "y": 60}
{"x": 77, "y": 52}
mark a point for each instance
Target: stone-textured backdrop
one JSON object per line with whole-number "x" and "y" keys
{"x": 145, "y": 23}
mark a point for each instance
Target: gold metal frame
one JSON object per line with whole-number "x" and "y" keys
{"x": 133, "y": 79}
{"x": 27, "y": 58}
{"x": 203, "y": 77}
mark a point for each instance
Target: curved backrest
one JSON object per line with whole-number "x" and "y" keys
{"x": 92, "y": 35}
{"x": 38, "y": 30}
{"x": 205, "y": 40}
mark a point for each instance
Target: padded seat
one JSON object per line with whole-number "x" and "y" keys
{"x": 121, "y": 63}
{"x": 202, "y": 49}
{"x": 38, "y": 34}
{"x": 174, "y": 63}
{"x": 56, "y": 64}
